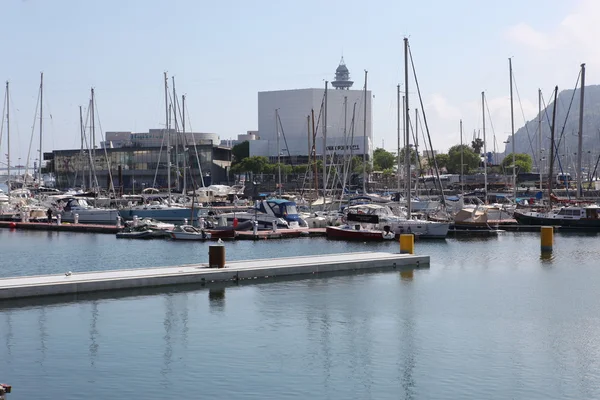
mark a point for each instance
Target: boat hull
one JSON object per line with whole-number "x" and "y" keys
{"x": 343, "y": 233}
{"x": 173, "y": 215}
{"x": 103, "y": 217}
{"x": 542, "y": 219}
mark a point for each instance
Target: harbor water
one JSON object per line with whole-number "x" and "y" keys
{"x": 489, "y": 319}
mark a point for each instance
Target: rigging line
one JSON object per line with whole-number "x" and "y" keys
{"x": 37, "y": 106}
{"x": 523, "y": 114}
{"x": 195, "y": 151}
{"x": 487, "y": 106}
{"x": 287, "y": 148}
{"x": 551, "y": 144}
{"x": 437, "y": 171}
{"x": 108, "y": 163}
{"x": 562, "y": 133}
{"x": 16, "y": 121}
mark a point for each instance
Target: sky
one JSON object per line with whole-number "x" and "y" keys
{"x": 222, "y": 53}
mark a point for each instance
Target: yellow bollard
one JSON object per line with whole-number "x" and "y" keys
{"x": 407, "y": 243}
{"x": 547, "y": 237}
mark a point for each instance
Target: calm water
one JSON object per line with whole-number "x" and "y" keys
{"x": 489, "y": 320}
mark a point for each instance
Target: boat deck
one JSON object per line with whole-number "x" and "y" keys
{"x": 46, "y": 285}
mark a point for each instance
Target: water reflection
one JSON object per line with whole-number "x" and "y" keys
{"x": 168, "y": 324}
{"x": 43, "y": 335}
{"x": 408, "y": 350}
{"x": 216, "y": 299}
{"x": 9, "y": 333}
{"x": 407, "y": 275}
{"x": 547, "y": 257}
{"x": 93, "y": 348}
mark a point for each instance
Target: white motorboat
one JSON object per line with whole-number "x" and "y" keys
{"x": 400, "y": 224}
{"x": 189, "y": 232}
{"x": 266, "y": 212}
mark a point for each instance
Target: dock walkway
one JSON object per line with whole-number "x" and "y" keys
{"x": 45, "y": 285}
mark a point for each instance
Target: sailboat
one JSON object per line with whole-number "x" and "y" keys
{"x": 155, "y": 207}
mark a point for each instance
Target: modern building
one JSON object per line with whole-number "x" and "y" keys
{"x": 345, "y": 120}
{"x": 138, "y": 161}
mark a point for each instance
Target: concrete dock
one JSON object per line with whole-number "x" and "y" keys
{"x": 84, "y": 282}
{"x": 65, "y": 227}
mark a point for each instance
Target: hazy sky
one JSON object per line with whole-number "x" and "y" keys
{"x": 223, "y": 52}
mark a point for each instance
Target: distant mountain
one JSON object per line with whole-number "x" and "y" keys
{"x": 528, "y": 142}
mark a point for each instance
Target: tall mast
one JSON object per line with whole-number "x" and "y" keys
{"x": 314, "y": 154}
{"x": 580, "y": 138}
{"x": 551, "y": 166}
{"x": 325, "y": 143}
{"x": 345, "y": 158}
{"x": 512, "y": 131}
{"x": 278, "y": 150}
{"x": 407, "y": 130}
{"x": 41, "y": 112}
{"x": 167, "y": 127}
{"x": 398, "y": 133}
{"x": 175, "y": 128}
{"x": 8, "y": 135}
{"x": 485, "y": 181}
{"x": 81, "y": 133}
{"x": 417, "y": 148}
{"x": 93, "y": 124}
{"x": 540, "y": 136}
{"x": 365, "y": 139}
{"x": 184, "y": 144}
{"x": 462, "y": 161}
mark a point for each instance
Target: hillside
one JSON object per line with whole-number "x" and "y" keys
{"x": 568, "y": 144}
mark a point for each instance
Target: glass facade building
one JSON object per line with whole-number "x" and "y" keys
{"x": 136, "y": 168}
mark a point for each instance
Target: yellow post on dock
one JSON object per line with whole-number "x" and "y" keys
{"x": 547, "y": 237}
{"x": 407, "y": 243}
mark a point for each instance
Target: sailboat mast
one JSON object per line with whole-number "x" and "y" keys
{"x": 540, "y": 136}
{"x": 551, "y": 167}
{"x": 462, "y": 161}
{"x": 512, "y": 131}
{"x": 580, "y": 138}
{"x": 314, "y": 153}
{"x": 278, "y": 151}
{"x": 174, "y": 107}
{"x": 8, "y": 135}
{"x": 168, "y": 139}
{"x": 485, "y": 180}
{"x": 81, "y": 133}
{"x": 325, "y": 143}
{"x": 398, "y": 134}
{"x": 365, "y": 139}
{"x": 417, "y": 149}
{"x": 93, "y": 118}
{"x": 39, "y": 172}
{"x": 184, "y": 144}
{"x": 407, "y": 130}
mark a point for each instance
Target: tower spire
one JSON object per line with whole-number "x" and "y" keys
{"x": 342, "y": 77}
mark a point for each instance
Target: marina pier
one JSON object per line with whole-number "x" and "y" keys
{"x": 83, "y": 282}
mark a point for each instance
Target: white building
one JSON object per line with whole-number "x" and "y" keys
{"x": 294, "y": 108}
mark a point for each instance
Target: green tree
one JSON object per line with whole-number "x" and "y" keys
{"x": 357, "y": 165}
{"x": 413, "y": 156}
{"x": 470, "y": 159}
{"x": 383, "y": 159}
{"x": 523, "y": 162}
{"x": 442, "y": 161}
{"x": 255, "y": 164}
{"x": 477, "y": 145}
{"x": 240, "y": 152}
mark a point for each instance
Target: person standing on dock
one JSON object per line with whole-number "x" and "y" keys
{"x": 49, "y": 215}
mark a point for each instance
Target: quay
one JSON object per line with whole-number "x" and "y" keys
{"x": 234, "y": 271}
{"x": 65, "y": 227}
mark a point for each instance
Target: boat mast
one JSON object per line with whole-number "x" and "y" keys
{"x": 278, "y": 151}
{"x": 174, "y": 106}
{"x": 8, "y": 136}
{"x": 417, "y": 150}
{"x": 485, "y": 181}
{"x": 365, "y": 139}
{"x": 81, "y": 133}
{"x": 314, "y": 153}
{"x": 551, "y": 167}
{"x": 580, "y": 139}
{"x": 325, "y": 144}
{"x": 540, "y": 135}
{"x": 41, "y": 113}
{"x": 398, "y": 134}
{"x": 407, "y": 130}
{"x": 168, "y": 139}
{"x": 345, "y": 158}
{"x": 462, "y": 162}
{"x": 93, "y": 124}
{"x": 184, "y": 144}
{"x": 512, "y": 131}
